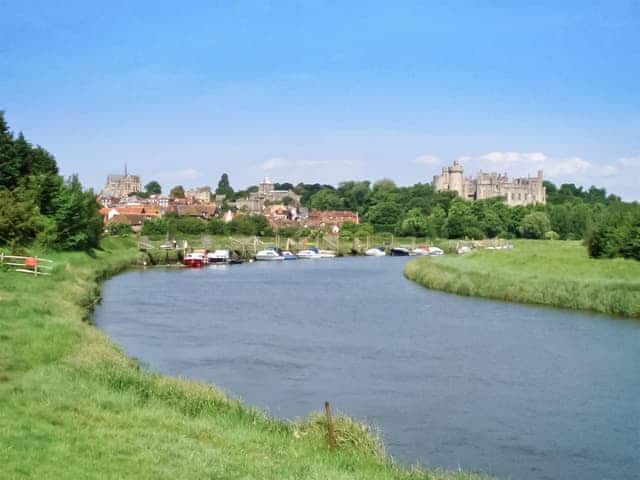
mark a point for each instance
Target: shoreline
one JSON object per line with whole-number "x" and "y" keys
{"x": 88, "y": 381}
{"x": 555, "y": 274}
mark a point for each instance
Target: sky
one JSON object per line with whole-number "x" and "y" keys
{"x": 327, "y": 91}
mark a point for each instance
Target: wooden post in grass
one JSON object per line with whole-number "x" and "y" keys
{"x": 331, "y": 434}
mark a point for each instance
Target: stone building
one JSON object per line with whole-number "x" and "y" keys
{"x": 519, "y": 191}
{"x": 255, "y": 202}
{"x": 200, "y": 194}
{"x": 119, "y": 186}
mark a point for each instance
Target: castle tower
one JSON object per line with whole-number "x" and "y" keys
{"x": 456, "y": 180}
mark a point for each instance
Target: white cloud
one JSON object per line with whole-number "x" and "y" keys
{"x": 518, "y": 164}
{"x": 309, "y": 171}
{"x": 274, "y": 164}
{"x": 631, "y": 162}
{"x": 427, "y": 159}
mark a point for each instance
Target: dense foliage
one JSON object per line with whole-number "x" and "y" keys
{"x": 172, "y": 224}
{"x": 609, "y": 226}
{"x": 37, "y": 205}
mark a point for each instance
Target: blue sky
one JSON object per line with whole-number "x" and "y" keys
{"x": 327, "y": 90}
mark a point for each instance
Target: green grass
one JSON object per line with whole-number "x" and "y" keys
{"x": 72, "y": 405}
{"x": 553, "y": 273}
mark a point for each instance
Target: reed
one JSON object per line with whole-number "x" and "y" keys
{"x": 555, "y": 273}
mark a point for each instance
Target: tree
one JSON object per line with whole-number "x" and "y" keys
{"x": 9, "y": 162}
{"x": 77, "y": 218}
{"x": 153, "y": 188}
{"x": 385, "y": 216}
{"x": 460, "y": 217}
{"x": 535, "y": 225}
{"x": 20, "y": 221}
{"x": 224, "y": 187}
{"x": 414, "y": 223}
{"x": 177, "y": 192}
{"x": 326, "y": 199}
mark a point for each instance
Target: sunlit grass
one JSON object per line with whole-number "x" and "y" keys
{"x": 552, "y": 273}
{"x": 72, "y": 405}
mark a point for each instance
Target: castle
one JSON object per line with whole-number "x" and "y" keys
{"x": 119, "y": 186}
{"x": 519, "y": 191}
{"x": 255, "y": 202}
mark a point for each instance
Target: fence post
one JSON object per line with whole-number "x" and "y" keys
{"x": 331, "y": 434}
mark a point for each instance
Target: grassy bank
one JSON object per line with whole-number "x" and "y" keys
{"x": 553, "y": 273}
{"x": 72, "y": 405}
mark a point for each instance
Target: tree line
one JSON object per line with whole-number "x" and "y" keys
{"x": 609, "y": 226}
{"x": 37, "y": 204}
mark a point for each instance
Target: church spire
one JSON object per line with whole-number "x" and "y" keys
{"x": 125, "y": 169}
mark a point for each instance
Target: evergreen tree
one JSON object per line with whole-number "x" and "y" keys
{"x": 224, "y": 187}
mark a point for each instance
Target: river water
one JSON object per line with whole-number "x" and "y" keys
{"x": 515, "y": 391}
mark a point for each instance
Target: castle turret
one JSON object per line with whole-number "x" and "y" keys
{"x": 456, "y": 179}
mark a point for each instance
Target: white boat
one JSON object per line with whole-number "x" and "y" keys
{"x": 435, "y": 251}
{"x": 309, "y": 253}
{"x": 219, "y": 256}
{"x": 287, "y": 255}
{"x": 376, "y": 252}
{"x": 464, "y": 249}
{"x": 420, "y": 251}
{"x": 269, "y": 255}
{"x": 327, "y": 254}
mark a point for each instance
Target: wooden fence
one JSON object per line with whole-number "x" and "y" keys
{"x": 31, "y": 265}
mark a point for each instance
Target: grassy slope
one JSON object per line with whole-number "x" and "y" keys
{"x": 545, "y": 272}
{"x": 73, "y": 406}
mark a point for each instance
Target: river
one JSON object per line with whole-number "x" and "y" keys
{"x": 516, "y": 391}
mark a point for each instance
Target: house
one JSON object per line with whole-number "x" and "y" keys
{"x": 132, "y": 215}
{"x": 201, "y": 210}
{"x": 331, "y": 218}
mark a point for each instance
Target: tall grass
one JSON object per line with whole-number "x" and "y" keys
{"x": 553, "y": 273}
{"x": 72, "y": 405}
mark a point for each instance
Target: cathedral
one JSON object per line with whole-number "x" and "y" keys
{"x": 519, "y": 191}
{"x": 119, "y": 186}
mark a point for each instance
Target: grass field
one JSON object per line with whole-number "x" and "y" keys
{"x": 72, "y": 405}
{"x": 555, "y": 273}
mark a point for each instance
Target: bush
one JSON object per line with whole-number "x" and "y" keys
{"x": 551, "y": 235}
{"x": 119, "y": 229}
{"x": 535, "y": 225}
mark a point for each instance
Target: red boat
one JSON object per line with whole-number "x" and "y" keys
{"x": 195, "y": 260}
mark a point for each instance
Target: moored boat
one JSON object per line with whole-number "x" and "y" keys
{"x": 327, "y": 254}
{"x": 399, "y": 252}
{"x": 195, "y": 259}
{"x": 219, "y": 256}
{"x": 435, "y": 251}
{"x": 287, "y": 255}
{"x": 376, "y": 252}
{"x": 310, "y": 252}
{"x": 269, "y": 254}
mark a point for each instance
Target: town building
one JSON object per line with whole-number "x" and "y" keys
{"x": 119, "y": 186}
{"x": 199, "y": 195}
{"x": 330, "y": 218}
{"x": 133, "y": 215}
{"x": 266, "y": 195}
{"x": 519, "y": 191}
